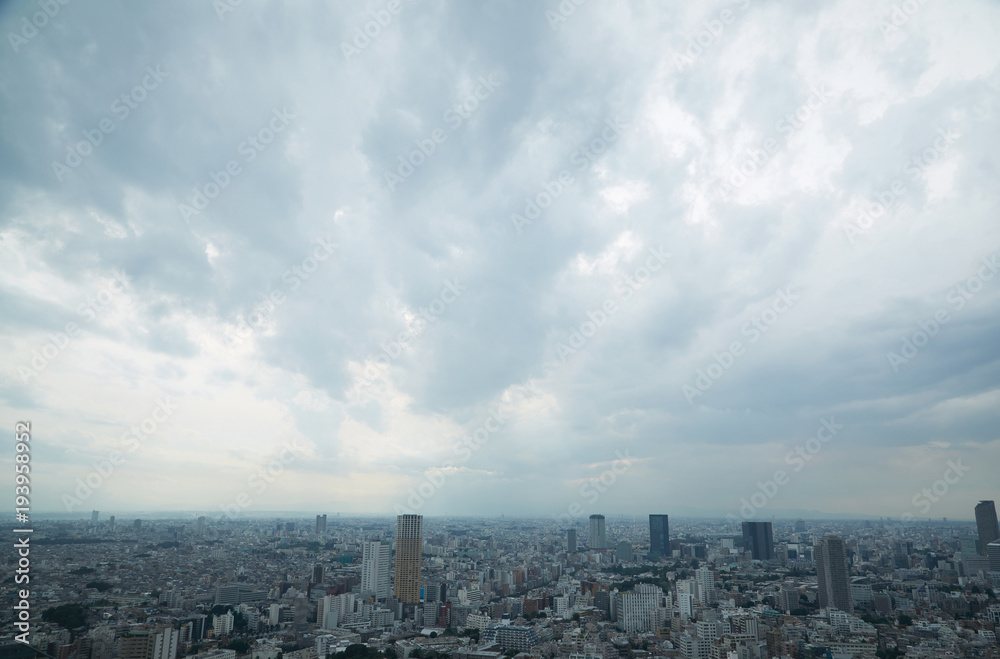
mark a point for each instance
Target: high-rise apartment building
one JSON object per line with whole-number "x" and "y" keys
{"x": 136, "y": 644}
{"x": 571, "y": 540}
{"x": 986, "y": 523}
{"x": 832, "y": 574}
{"x": 223, "y": 624}
{"x": 597, "y": 539}
{"x": 705, "y": 579}
{"x": 759, "y": 539}
{"x": 633, "y": 610}
{"x": 624, "y": 551}
{"x": 659, "y": 536}
{"x": 165, "y": 642}
{"x": 375, "y": 557}
{"x": 993, "y": 555}
{"x": 409, "y": 545}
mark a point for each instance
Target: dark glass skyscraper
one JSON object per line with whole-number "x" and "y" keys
{"x": 659, "y": 536}
{"x": 986, "y": 523}
{"x": 759, "y": 539}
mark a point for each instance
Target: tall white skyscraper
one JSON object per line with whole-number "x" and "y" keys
{"x": 375, "y": 557}
{"x": 705, "y": 577}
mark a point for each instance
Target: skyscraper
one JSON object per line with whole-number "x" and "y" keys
{"x": 571, "y": 540}
{"x": 624, "y": 551}
{"x": 93, "y": 517}
{"x": 201, "y": 525}
{"x": 832, "y": 574}
{"x": 375, "y": 568}
{"x": 409, "y": 545}
{"x": 659, "y": 536}
{"x": 597, "y": 539}
{"x": 759, "y": 539}
{"x": 320, "y": 524}
{"x": 986, "y": 523}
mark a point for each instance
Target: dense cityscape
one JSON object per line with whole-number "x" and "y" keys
{"x": 466, "y": 588}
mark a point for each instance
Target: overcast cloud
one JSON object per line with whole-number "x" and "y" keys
{"x": 530, "y": 210}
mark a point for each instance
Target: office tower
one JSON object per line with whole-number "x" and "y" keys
{"x": 659, "y": 536}
{"x": 137, "y": 525}
{"x": 320, "y": 523}
{"x": 758, "y": 538}
{"x": 624, "y": 551}
{"x": 571, "y": 540}
{"x": 969, "y": 545}
{"x": 93, "y": 517}
{"x": 597, "y": 539}
{"x": 201, "y": 525}
{"x": 375, "y": 557}
{"x": 111, "y": 524}
{"x": 986, "y": 523}
{"x": 409, "y": 545}
{"x": 832, "y": 574}
{"x": 800, "y": 526}
{"x": 317, "y": 575}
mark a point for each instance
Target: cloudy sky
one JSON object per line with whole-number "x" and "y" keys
{"x": 505, "y": 257}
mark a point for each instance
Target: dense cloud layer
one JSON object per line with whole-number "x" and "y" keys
{"x": 662, "y": 246}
